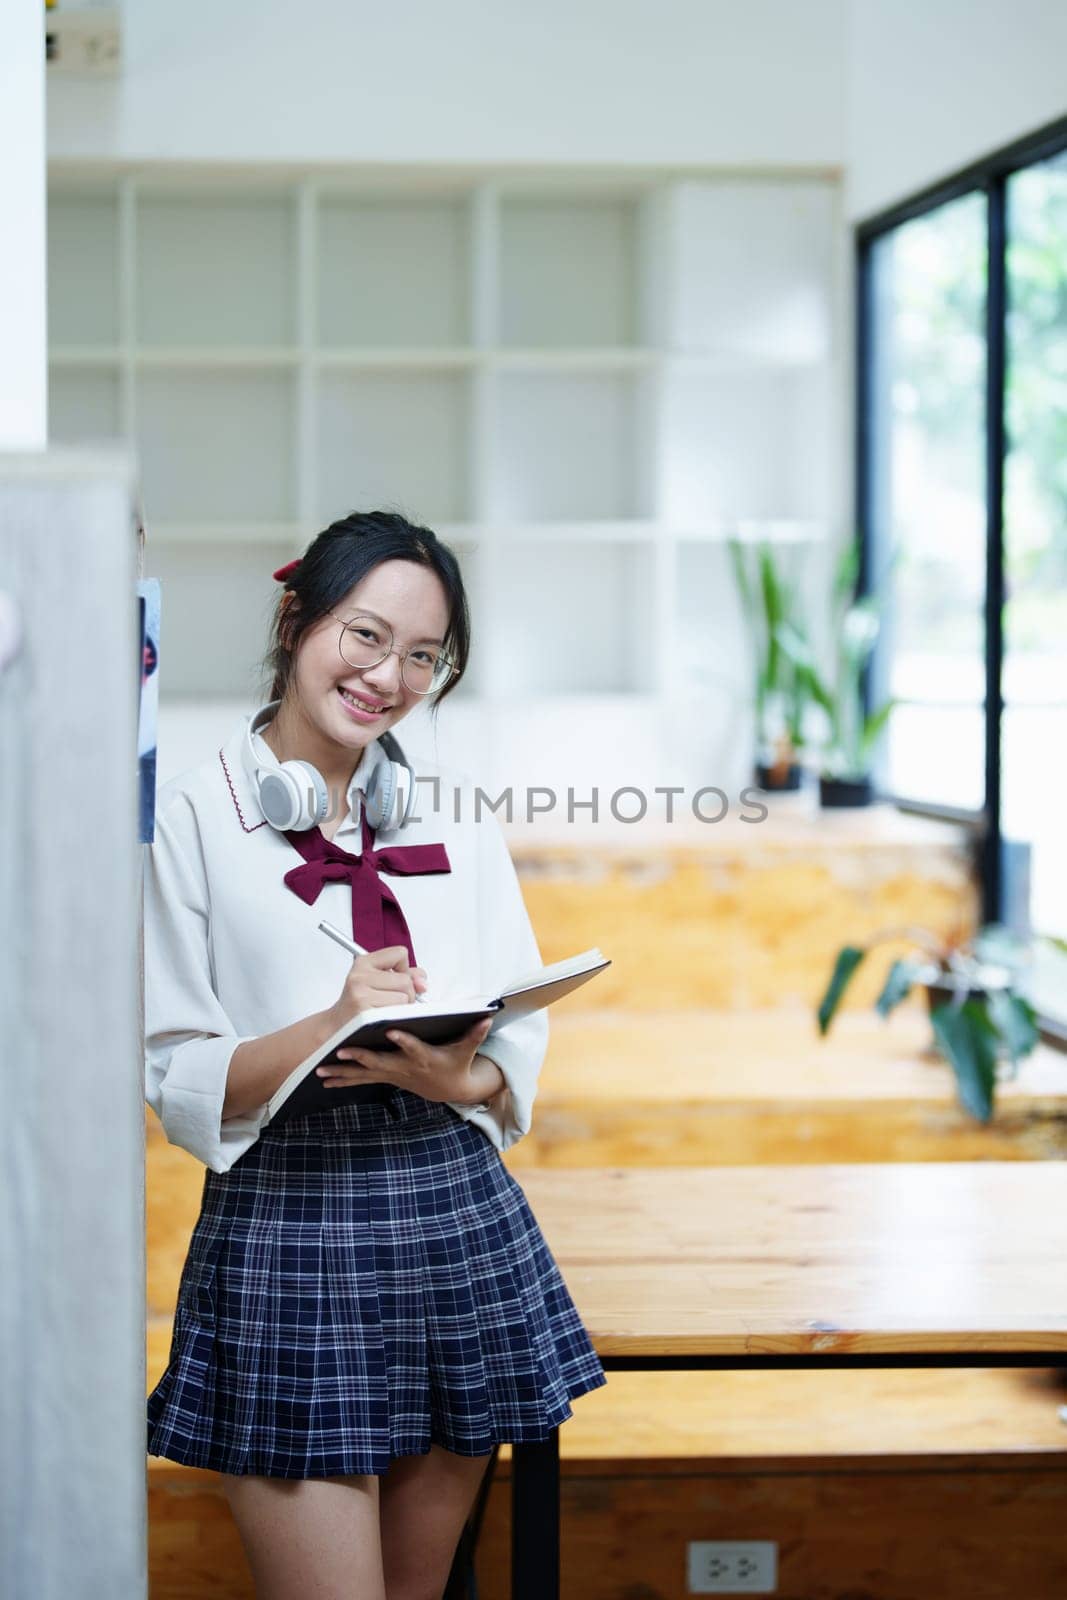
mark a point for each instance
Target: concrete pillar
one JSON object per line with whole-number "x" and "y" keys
{"x": 72, "y": 1290}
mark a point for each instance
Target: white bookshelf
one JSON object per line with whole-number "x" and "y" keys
{"x": 585, "y": 385}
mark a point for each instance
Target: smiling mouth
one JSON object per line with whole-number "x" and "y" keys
{"x": 372, "y": 707}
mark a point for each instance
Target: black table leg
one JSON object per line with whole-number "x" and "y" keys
{"x": 535, "y": 1520}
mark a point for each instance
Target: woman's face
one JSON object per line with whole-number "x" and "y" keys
{"x": 412, "y": 600}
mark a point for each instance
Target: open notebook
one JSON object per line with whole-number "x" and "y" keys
{"x": 437, "y": 1022}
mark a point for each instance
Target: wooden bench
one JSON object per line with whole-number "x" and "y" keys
{"x": 889, "y": 1485}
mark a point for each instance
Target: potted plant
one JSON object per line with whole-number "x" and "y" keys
{"x": 978, "y": 1017}
{"x": 851, "y": 733}
{"x": 770, "y": 599}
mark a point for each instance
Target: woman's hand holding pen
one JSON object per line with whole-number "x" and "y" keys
{"x": 378, "y": 978}
{"x": 436, "y": 1071}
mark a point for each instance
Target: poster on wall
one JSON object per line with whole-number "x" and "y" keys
{"x": 148, "y": 704}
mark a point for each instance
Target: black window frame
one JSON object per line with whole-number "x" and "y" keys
{"x": 990, "y": 176}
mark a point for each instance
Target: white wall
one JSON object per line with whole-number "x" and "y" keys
{"x": 936, "y": 84}
{"x": 23, "y": 365}
{"x": 415, "y": 80}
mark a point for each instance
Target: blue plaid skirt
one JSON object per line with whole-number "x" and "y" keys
{"x": 362, "y": 1283}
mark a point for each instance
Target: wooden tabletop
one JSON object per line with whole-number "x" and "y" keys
{"x": 765, "y": 1056}
{"x": 901, "y": 1257}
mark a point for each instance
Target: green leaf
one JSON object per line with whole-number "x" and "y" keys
{"x": 771, "y": 586}
{"x": 742, "y": 579}
{"x": 847, "y": 961}
{"x": 896, "y": 988}
{"x": 794, "y": 645}
{"x": 872, "y": 729}
{"x": 774, "y": 611}
{"x": 848, "y": 567}
{"x": 968, "y": 1042}
{"x": 1015, "y": 1020}
{"x": 770, "y": 596}
{"x": 1057, "y": 944}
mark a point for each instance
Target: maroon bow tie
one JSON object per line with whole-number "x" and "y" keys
{"x": 377, "y": 919}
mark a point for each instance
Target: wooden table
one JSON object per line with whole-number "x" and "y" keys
{"x": 895, "y": 1265}
{"x": 735, "y": 913}
{"x": 712, "y": 1088}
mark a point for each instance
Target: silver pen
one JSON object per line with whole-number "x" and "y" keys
{"x": 355, "y": 949}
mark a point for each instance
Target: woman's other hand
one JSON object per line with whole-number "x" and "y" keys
{"x": 436, "y": 1071}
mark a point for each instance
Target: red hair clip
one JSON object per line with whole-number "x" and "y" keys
{"x": 283, "y": 574}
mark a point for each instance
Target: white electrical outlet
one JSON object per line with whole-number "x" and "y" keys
{"x": 732, "y": 1566}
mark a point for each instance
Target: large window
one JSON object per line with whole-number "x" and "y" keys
{"x": 1034, "y": 721}
{"x": 963, "y": 508}
{"x": 928, "y": 483}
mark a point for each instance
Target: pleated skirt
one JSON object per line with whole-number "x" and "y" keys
{"x": 362, "y": 1283}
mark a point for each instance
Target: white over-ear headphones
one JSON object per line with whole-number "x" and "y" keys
{"x": 293, "y": 795}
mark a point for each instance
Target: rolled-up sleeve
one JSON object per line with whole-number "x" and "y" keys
{"x": 189, "y": 1039}
{"x": 507, "y": 951}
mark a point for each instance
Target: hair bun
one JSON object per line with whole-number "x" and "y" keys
{"x": 283, "y": 574}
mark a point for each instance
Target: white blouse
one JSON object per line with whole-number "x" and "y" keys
{"x": 231, "y": 953}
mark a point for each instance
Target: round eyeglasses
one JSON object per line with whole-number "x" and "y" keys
{"x": 365, "y": 641}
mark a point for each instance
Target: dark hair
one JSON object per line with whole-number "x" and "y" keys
{"x": 336, "y": 560}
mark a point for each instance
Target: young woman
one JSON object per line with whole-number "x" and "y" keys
{"x": 368, "y": 1305}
